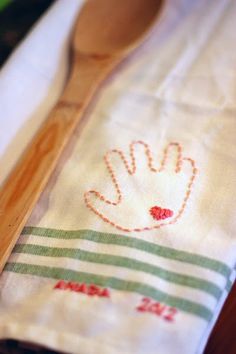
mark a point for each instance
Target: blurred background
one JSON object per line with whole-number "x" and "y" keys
{"x": 16, "y": 19}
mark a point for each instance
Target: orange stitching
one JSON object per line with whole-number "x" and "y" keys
{"x": 131, "y": 170}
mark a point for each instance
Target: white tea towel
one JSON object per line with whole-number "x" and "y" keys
{"x": 131, "y": 248}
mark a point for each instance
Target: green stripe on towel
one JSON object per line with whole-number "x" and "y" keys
{"x": 114, "y": 283}
{"x": 127, "y": 241}
{"x": 125, "y": 262}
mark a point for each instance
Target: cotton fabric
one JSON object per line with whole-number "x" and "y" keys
{"x": 179, "y": 88}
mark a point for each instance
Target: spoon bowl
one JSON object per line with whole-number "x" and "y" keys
{"x": 116, "y": 26}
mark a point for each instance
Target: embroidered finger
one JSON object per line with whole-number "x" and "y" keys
{"x": 119, "y": 169}
{"x": 188, "y": 166}
{"x": 141, "y": 157}
{"x": 115, "y": 162}
{"x": 172, "y": 158}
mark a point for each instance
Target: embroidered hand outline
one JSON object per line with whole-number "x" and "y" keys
{"x": 144, "y": 197}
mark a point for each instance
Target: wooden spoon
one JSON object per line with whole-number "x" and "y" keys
{"x": 105, "y": 33}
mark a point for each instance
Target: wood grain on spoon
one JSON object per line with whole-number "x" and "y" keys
{"x": 105, "y": 32}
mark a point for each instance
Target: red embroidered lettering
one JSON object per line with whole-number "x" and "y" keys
{"x": 105, "y": 293}
{"x": 60, "y": 285}
{"x": 93, "y": 290}
{"x": 83, "y": 288}
{"x": 90, "y": 289}
{"x": 171, "y": 312}
{"x": 157, "y": 308}
{"x": 161, "y": 310}
{"x": 72, "y": 286}
{"x": 144, "y": 306}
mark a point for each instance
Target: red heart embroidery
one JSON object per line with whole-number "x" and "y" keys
{"x": 159, "y": 213}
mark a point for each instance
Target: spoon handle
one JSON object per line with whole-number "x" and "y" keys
{"x": 28, "y": 178}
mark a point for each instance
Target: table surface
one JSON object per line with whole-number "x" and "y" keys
{"x": 15, "y": 21}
